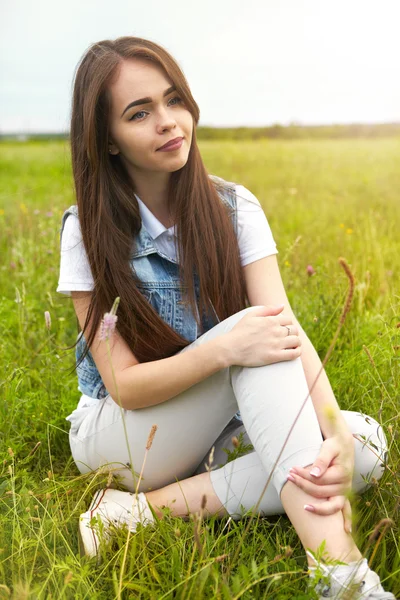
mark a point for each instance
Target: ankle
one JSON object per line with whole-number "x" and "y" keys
{"x": 351, "y": 556}
{"x": 150, "y": 499}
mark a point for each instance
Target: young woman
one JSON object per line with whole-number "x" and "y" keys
{"x": 204, "y": 328}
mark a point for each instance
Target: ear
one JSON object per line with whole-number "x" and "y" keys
{"x": 112, "y": 148}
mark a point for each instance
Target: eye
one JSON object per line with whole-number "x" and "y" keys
{"x": 134, "y": 117}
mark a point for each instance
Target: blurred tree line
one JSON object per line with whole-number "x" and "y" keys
{"x": 286, "y": 132}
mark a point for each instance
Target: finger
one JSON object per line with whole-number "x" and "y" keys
{"x": 285, "y": 331}
{"x": 347, "y": 516}
{"x": 329, "y": 451}
{"x": 334, "y": 474}
{"x": 291, "y": 341}
{"x": 285, "y": 320}
{"x": 316, "y": 490}
{"x": 330, "y": 507}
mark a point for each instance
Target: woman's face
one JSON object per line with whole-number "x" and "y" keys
{"x": 137, "y": 132}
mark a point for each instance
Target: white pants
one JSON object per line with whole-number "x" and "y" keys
{"x": 191, "y": 423}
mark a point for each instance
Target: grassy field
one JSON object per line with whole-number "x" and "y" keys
{"x": 324, "y": 200}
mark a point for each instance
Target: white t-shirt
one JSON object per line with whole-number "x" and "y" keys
{"x": 254, "y": 238}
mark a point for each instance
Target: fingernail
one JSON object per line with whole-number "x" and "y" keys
{"x": 290, "y": 478}
{"x": 309, "y": 507}
{"x": 315, "y": 471}
{"x": 293, "y": 470}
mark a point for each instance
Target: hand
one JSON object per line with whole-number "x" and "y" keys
{"x": 261, "y": 338}
{"x": 336, "y": 465}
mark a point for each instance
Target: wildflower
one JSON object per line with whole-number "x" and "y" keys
{"x": 36, "y": 211}
{"x": 341, "y": 225}
{"x": 23, "y": 208}
{"x": 235, "y": 441}
{"x": 1, "y": 211}
{"x": 310, "y": 270}
{"x": 108, "y": 326}
{"x": 49, "y": 213}
{"x": 109, "y": 322}
{"x": 47, "y": 319}
{"x": 349, "y": 230}
{"x": 287, "y": 263}
{"x": 13, "y": 265}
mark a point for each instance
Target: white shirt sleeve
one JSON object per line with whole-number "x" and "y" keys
{"x": 254, "y": 234}
{"x": 75, "y": 272}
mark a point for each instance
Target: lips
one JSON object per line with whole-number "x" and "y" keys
{"x": 171, "y": 143}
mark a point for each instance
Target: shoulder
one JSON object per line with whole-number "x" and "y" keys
{"x": 71, "y": 234}
{"x": 220, "y": 182}
{"x": 242, "y": 193}
{"x": 245, "y": 196}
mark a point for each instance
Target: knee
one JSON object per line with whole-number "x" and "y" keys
{"x": 371, "y": 451}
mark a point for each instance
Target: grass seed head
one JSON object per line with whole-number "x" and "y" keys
{"x": 47, "y": 319}
{"x": 151, "y": 436}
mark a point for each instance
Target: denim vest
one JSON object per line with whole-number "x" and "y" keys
{"x": 160, "y": 284}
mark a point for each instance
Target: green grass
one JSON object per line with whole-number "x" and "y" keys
{"x": 323, "y": 199}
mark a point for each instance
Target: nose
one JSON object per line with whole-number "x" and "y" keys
{"x": 165, "y": 120}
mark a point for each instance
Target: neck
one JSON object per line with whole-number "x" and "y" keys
{"x": 152, "y": 189}
{"x": 153, "y": 193}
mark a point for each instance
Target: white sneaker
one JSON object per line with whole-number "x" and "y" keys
{"x": 356, "y": 578}
{"x": 114, "y": 506}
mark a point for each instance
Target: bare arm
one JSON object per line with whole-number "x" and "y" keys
{"x": 264, "y": 286}
{"x": 154, "y": 382}
{"x": 146, "y": 384}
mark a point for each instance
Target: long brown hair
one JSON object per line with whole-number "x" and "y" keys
{"x": 110, "y": 219}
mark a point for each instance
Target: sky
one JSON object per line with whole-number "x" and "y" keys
{"x": 247, "y": 62}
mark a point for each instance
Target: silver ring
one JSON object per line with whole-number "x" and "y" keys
{"x": 288, "y": 329}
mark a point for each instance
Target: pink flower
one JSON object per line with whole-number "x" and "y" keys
{"x": 49, "y": 213}
{"x": 109, "y": 322}
{"x": 108, "y": 326}
{"x": 47, "y": 319}
{"x": 310, "y": 270}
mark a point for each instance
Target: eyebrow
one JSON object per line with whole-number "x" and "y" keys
{"x": 147, "y": 100}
